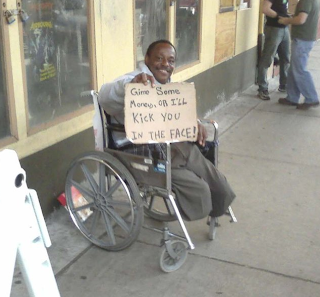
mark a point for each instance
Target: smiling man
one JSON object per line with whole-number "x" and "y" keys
{"x": 200, "y": 188}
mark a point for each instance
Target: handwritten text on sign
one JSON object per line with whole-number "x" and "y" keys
{"x": 165, "y": 113}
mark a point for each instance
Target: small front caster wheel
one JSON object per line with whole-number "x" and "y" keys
{"x": 170, "y": 263}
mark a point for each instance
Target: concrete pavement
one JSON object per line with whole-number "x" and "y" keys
{"x": 271, "y": 157}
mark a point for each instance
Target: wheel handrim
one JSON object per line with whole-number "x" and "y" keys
{"x": 110, "y": 205}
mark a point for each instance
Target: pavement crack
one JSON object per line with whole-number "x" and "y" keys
{"x": 74, "y": 260}
{"x": 243, "y": 265}
{"x": 269, "y": 159}
{"x": 258, "y": 269}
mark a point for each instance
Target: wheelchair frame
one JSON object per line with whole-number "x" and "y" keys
{"x": 96, "y": 182}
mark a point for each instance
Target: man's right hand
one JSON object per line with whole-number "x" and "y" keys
{"x": 202, "y": 134}
{"x": 145, "y": 79}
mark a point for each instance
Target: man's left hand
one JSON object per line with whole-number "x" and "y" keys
{"x": 202, "y": 134}
{"x": 283, "y": 20}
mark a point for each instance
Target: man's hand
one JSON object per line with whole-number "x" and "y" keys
{"x": 283, "y": 20}
{"x": 145, "y": 79}
{"x": 202, "y": 134}
{"x": 297, "y": 20}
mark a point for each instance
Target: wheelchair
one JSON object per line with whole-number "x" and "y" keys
{"x": 108, "y": 193}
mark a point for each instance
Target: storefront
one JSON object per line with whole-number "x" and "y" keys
{"x": 52, "y": 50}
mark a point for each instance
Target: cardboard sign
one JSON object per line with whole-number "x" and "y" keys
{"x": 165, "y": 113}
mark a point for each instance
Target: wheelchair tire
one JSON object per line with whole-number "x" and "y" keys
{"x": 169, "y": 264}
{"x": 104, "y": 201}
{"x": 159, "y": 210}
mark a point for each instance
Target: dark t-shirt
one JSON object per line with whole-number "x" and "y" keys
{"x": 281, "y": 8}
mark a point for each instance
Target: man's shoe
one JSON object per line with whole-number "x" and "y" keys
{"x": 264, "y": 95}
{"x": 285, "y": 101}
{"x": 282, "y": 88}
{"x": 305, "y": 106}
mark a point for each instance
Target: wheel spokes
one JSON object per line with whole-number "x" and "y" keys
{"x": 89, "y": 177}
{"x": 82, "y": 207}
{"x": 102, "y": 178}
{"x": 104, "y": 201}
{"x": 112, "y": 189}
{"x": 96, "y": 217}
{"x": 118, "y": 219}
{"x": 109, "y": 228}
{"x": 83, "y": 190}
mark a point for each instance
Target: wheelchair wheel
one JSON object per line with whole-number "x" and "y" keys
{"x": 158, "y": 207}
{"x": 104, "y": 201}
{"x": 170, "y": 264}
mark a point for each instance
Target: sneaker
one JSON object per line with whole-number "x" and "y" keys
{"x": 282, "y": 88}
{"x": 264, "y": 95}
{"x": 305, "y": 106}
{"x": 285, "y": 101}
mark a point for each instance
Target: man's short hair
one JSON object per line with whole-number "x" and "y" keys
{"x": 153, "y": 44}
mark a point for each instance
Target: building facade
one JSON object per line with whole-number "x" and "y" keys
{"x": 53, "y": 50}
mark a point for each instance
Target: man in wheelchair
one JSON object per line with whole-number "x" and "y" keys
{"x": 201, "y": 190}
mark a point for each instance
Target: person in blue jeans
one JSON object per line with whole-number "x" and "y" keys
{"x": 304, "y": 34}
{"x": 277, "y": 40}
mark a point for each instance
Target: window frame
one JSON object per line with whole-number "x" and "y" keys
{"x": 171, "y": 10}
{"x": 8, "y": 81}
{"x": 237, "y": 3}
{"x": 198, "y": 61}
{"x": 226, "y": 8}
{"x": 92, "y": 72}
{"x": 235, "y": 6}
{"x": 168, "y": 25}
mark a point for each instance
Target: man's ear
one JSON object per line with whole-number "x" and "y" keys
{"x": 146, "y": 60}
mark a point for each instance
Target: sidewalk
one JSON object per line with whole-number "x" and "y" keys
{"x": 271, "y": 156}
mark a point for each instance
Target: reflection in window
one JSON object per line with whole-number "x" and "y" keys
{"x": 187, "y": 31}
{"x": 4, "y": 116}
{"x": 56, "y": 57}
{"x": 150, "y": 24}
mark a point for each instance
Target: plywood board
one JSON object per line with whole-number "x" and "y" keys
{"x": 225, "y": 36}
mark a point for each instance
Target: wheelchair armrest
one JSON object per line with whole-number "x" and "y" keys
{"x": 212, "y": 129}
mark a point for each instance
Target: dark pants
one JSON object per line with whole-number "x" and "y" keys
{"x": 200, "y": 188}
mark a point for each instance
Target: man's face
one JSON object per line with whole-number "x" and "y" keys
{"x": 161, "y": 62}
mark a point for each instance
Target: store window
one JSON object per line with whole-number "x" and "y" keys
{"x": 56, "y": 58}
{"x": 150, "y": 24}
{"x": 226, "y": 5}
{"x": 187, "y": 31}
{"x": 4, "y": 110}
{"x": 243, "y": 4}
